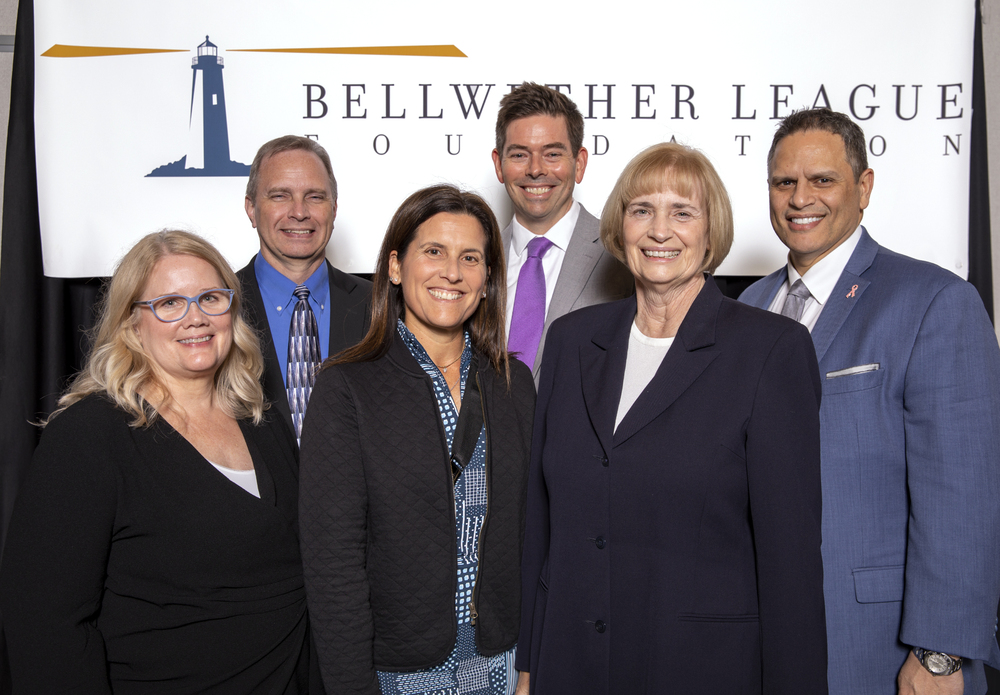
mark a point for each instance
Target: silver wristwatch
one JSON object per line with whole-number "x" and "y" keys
{"x": 938, "y": 663}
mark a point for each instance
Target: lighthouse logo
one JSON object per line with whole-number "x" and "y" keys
{"x": 208, "y": 130}
{"x": 207, "y": 152}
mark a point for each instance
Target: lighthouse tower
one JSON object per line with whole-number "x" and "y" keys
{"x": 208, "y": 147}
{"x": 208, "y": 132}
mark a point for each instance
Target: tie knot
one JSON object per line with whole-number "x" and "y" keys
{"x": 301, "y": 292}
{"x": 538, "y": 246}
{"x": 799, "y": 289}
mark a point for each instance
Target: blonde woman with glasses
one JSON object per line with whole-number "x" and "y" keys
{"x": 154, "y": 544}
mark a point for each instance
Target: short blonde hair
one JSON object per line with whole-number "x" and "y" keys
{"x": 118, "y": 366}
{"x": 687, "y": 172}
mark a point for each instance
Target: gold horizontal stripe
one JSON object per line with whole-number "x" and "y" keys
{"x": 60, "y": 51}
{"x": 443, "y": 51}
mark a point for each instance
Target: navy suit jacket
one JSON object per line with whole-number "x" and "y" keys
{"x": 349, "y": 308}
{"x": 679, "y": 553}
{"x": 911, "y": 468}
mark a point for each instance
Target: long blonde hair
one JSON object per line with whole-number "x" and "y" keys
{"x": 118, "y": 366}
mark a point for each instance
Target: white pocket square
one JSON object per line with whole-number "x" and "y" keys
{"x": 860, "y": 369}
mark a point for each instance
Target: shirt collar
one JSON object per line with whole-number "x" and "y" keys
{"x": 421, "y": 356}
{"x": 821, "y": 278}
{"x": 277, "y": 290}
{"x": 559, "y": 234}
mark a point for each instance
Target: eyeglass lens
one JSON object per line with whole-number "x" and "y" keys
{"x": 173, "y": 307}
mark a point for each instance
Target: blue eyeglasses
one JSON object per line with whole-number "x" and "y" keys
{"x": 174, "y": 307}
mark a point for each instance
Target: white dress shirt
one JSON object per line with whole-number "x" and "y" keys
{"x": 819, "y": 280}
{"x": 559, "y": 234}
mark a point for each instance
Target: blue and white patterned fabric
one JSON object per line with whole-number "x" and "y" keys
{"x": 465, "y": 671}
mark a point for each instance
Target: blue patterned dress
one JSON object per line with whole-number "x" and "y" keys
{"x": 465, "y": 671}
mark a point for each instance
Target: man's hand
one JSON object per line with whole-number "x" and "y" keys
{"x": 914, "y": 679}
{"x": 522, "y": 683}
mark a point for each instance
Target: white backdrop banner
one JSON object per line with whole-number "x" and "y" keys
{"x": 148, "y": 115}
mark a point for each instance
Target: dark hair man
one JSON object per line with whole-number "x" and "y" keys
{"x": 555, "y": 260}
{"x": 910, "y": 425}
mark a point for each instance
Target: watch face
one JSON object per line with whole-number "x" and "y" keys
{"x": 937, "y": 662}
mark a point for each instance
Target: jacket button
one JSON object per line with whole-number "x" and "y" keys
{"x": 600, "y": 542}
{"x": 604, "y": 461}
{"x": 600, "y": 626}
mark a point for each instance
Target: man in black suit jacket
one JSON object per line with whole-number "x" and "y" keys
{"x": 291, "y": 201}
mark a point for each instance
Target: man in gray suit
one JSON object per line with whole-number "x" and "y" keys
{"x": 539, "y": 158}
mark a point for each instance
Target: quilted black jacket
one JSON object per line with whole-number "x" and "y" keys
{"x": 377, "y": 518}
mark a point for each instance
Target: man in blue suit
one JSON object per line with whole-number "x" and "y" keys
{"x": 910, "y": 424}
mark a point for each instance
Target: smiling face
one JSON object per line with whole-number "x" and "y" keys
{"x": 816, "y": 203}
{"x": 665, "y": 237}
{"x": 197, "y": 345}
{"x": 293, "y": 213}
{"x": 442, "y": 275}
{"x": 539, "y": 170}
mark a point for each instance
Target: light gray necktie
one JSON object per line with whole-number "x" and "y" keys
{"x": 795, "y": 302}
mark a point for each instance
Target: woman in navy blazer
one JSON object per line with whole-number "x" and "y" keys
{"x": 673, "y": 533}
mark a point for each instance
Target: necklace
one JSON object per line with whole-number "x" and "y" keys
{"x": 444, "y": 369}
{"x": 452, "y": 387}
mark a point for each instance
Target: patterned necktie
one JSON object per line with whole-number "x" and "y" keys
{"x": 795, "y": 302}
{"x": 303, "y": 357}
{"x": 528, "y": 316}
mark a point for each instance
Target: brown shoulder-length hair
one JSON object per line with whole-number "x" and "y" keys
{"x": 119, "y": 367}
{"x": 486, "y": 326}
{"x": 686, "y": 171}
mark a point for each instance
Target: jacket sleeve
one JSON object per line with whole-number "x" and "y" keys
{"x": 951, "y": 411}
{"x": 333, "y": 509}
{"x": 56, "y": 555}
{"x": 536, "y": 533}
{"x": 783, "y": 468}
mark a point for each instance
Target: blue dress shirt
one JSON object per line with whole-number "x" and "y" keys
{"x": 279, "y": 301}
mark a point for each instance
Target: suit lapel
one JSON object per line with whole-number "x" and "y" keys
{"x": 274, "y": 382}
{"x": 602, "y": 367}
{"x": 846, "y": 293}
{"x": 582, "y": 254}
{"x": 348, "y": 319}
{"x": 775, "y": 281}
{"x": 687, "y": 358}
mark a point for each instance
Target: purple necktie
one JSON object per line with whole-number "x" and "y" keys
{"x": 528, "y": 317}
{"x": 303, "y": 357}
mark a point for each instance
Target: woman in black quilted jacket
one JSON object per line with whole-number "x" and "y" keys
{"x": 414, "y": 464}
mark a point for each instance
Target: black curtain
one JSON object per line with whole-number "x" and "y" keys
{"x": 980, "y": 248}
